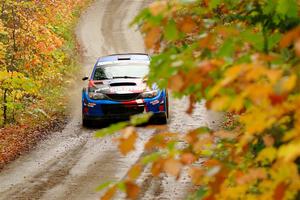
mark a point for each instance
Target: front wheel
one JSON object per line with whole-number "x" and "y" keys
{"x": 163, "y": 118}
{"x": 85, "y": 122}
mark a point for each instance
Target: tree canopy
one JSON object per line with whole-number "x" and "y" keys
{"x": 242, "y": 58}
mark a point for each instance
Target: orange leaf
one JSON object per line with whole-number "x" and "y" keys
{"x": 207, "y": 42}
{"x": 172, "y": 167}
{"x": 135, "y": 171}
{"x": 157, "y": 7}
{"x": 211, "y": 163}
{"x": 268, "y": 140}
{"x": 109, "y": 193}
{"x": 191, "y": 104}
{"x": 297, "y": 47}
{"x": 196, "y": 174}
{"x": 152, "y": 37}
{"x": 127, "y": 140}
{"x": 252, "y": 174}
{"x": 187, "y": 158}
{"x": 215, "y": 185}
{"x": 279, "y": 191}
{"x": 157, "y": 167}
{"x": 290, "y": 37}
{"x": 132, "y": 190}
{"x": 225, "y": 134}
{"x": 176, "y": 82}
{"x": 187, "y": 25}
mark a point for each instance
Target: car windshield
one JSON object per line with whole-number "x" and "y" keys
{"x": 128, "y": 70}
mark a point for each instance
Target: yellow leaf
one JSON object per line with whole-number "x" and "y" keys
{"x": 220, "y": 103}
{"x": 289, "y": 83}
{"x": 289, "y": 152}
{"x": 267, "y": 154}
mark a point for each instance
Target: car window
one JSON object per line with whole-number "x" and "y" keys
{"x": 121, "y": 70}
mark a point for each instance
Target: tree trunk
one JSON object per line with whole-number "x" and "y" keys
{"x": 5, "y": 106}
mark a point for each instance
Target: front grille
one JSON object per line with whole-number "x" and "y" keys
{"x": 119, "y": 109}
{"x": 123, "y": 84}
{"x": 123, "y": 97}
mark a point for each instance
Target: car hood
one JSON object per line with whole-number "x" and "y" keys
{"x": 123, "y": 86}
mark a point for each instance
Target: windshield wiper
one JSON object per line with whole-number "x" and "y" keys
{"x": 115, "y": 77}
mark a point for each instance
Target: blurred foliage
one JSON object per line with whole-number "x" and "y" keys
{"x": 36, "y": 57}
{"x": 242, "y": 57}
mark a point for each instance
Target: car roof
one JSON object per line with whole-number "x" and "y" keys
{"x": 123, "y": 57}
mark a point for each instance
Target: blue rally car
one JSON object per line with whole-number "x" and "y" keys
{"x": 117, "y": 89}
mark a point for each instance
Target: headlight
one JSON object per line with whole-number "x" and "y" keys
{"x": 97, "y": 96}
{"x": 149, "y": 94}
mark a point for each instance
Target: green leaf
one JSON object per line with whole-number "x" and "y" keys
{"x": 104, "y": 185}
{"x": 171, "y": 33}
{"x": 214, "y": 4}
{"x": 121, "y": 186}
{"x": 255, "y": 39}
{"x": 145, "y": 13}
{"x": 111, "y": 129}
{"x": 136, "y": 120}
{"x": 269, "y": 7}
{"x": 288, "y": 8}
{"x": 227, "y": 49}
{"x": 273, "y": 40}
{"x": 150, "y": 158}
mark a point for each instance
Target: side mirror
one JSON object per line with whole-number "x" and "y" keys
{"x": 85, "y": 78}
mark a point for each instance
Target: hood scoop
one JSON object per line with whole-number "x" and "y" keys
{"x": 123, "y": 84}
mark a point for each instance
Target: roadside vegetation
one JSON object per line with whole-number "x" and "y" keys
{"x": 243, "y": 59}
{"x": 37, "y": 61}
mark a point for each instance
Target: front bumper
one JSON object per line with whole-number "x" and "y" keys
{"x": 110, "y": 109}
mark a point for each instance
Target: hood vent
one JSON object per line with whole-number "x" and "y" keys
{"x": 123, "y": 58}
{"x": 123, "y": 84}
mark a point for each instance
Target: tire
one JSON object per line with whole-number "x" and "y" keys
{"x": 86, "y": 123}
{"x": 163, "y": 119}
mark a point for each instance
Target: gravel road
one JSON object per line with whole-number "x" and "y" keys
{"x": 70, "y": 164}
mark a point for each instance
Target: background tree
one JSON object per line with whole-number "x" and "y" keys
{"x": 36, "y": 46}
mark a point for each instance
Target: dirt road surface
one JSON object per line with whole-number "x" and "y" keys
{"x": 70, "y": 164}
